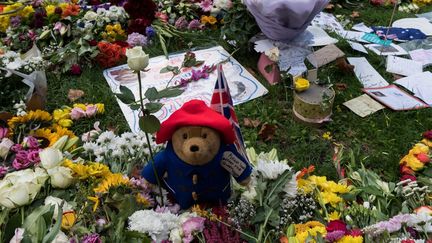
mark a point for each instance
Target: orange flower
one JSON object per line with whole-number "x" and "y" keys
{"x": 305, "y": 171}
{"x": 71, "y": 10}
{"x": 212, "y": 20}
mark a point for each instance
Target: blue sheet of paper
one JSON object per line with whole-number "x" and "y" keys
{"x": 373, "y": 38}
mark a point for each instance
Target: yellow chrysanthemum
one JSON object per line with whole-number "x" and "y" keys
{"x": 350, "y": 239}
{"x": 333, "y": 216}
{"x": 98, "y": 170}
{"x": 65, "y": 122}
{"x": 330, "y": 197}
{"x": 411, "y": 161}
{"x": 305, "y": 186}
{"x": 110, "y": 181}
{"x": 96, "y": 202}
{"x": 63, "y": 5}
{"x": 26, "y": 11}
{"x": 50, "y": 9}
{"x": 31, "y": 116}
{"x": 100, "y": 108}
{"x": 47, "y": 134}
{"x": 317, "y": 180}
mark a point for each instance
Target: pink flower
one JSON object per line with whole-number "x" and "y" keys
{"x": 21, "y": 161}
{"x": 194, "y": 25}
{"x": 355, "y": 232}
{"x": 336, "y": 225}
{"x": 424, "y": 158}
{"x": 16, "y": 148}
{"x": 31, "y": 142}
{"x": 3, "y": 171}
{"x": 75, "y": 69}
{"x": 77, "y": 113}
{"x": 206, "y": 5}
{"x": 3, "y": 132}
{"x": 33, "y": 156}
{"x": 181, "y": 23}
{"x": 407, "y": 176}
{"x": 428, "y": 135}
{"x": 162, "y": 17}
{"x": 191, "y": 225}
{"x": 334, "y": 235}
{"x": 91, "y": 110}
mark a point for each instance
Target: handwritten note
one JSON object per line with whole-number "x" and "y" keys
{"x": 363, "y": 105}
{"x": 422, "y": 55}
{"x": 420, "y": 84}
{"x": 403, "y": 66}
{"x": 366, "y": 74}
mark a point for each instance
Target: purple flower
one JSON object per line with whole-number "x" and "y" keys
{"x": 334, "y": 235}
{"x": 16, "y": 148}
{"x": 21, "y": 161}
{"x": 37, "y": 3}
{"x": 150, "y": 32}
{"x": 194, "y": 25}
{"x": 30, "y": 142}
{"x": 33, "y": 156}
{"x": 92, "y": 238}
{"x": 181, "y": 23}
{"x": 206, "y": 5}
{"x": 15, "y": 21}
{"x": 3, "y": 132}
{"x": 3, "y": 171}
{"x": 199, "y": 74}
{"x": 191, "y": 225}
{"x": 136, "y": 39}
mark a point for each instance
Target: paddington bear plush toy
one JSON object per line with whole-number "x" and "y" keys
{"x": 199, "y": 157}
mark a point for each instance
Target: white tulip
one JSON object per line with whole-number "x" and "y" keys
{"x": 50, "y": 157}
{"x": 137, "y": 59}
{"x": 37, "y": 176}
{"x": 61, "y": 177}
{"x": 60, "y": 238}
{"x": 19, "y": 194}
{"x": 50, "y": 200}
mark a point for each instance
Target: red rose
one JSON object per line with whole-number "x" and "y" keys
{"x": 93, "y": 43}
{"x": 405, "y": 170}
{"x": 75, "y": 69}
{"x": 336, "y": 225}
{"x": 428, "y": 135}
{"x": 424, "y": 158}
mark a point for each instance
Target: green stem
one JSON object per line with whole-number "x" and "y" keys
{"x": 148, "y": 138}
{"x": 241, "y": 232}
{"x": 22, "y": 215}
{"x": 262, "y": 227}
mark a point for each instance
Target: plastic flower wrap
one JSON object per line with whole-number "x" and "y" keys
{"x": 284, "y": 19}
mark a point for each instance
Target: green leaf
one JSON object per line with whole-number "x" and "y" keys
{"x": 173, "y": 69}
{"x": 170, "y": 92}
{"x": 135, "y": 106}
{"x": 126, "y": 96}
{"x": 35, "y": 223}
{"x": 56, "y": 228}
{"x": 153, "y": 107}
{"x": 152, "y": 94}
{"x": 13, "y": 223}
{"x": 149, "y": 124}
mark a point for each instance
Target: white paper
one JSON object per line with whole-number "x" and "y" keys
{"x": 292, "y": 57}
{"x": 421, "y": 24}
{"x": 297, "y": 69}
{"x": 327, "y": 21}
{"x": 357, "y": 46}
{"x": 243, "y": 86}
{"x": 362, "y": 28}
{"x": 363, "y": 105}
{"x": 420, "y": 84}
{"x": 391, "y": 50}
{"x": 366, "y": 74}
{"x": 395, "y": 98}
{"x": 313, "y": 36}
{"x": 263, "y": 45}
{"x": 354, "y": 36}
{"x": 403, "y": 66}
{"x": 422, "y": 55}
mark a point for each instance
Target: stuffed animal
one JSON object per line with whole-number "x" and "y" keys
{"x": 199, "y": 158}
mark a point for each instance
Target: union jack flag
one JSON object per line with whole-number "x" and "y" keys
{"x": 222, "y": 103}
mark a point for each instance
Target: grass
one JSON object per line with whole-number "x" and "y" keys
{"x": 378, "y": 141}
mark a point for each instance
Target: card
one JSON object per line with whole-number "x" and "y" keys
{"x": 422, "y": 55}
{"x": 420, "y": 84}
{"x": 363, "y": 105}
{"x": 366, "y": 74}
{"x": 373, "y": 38}
{"x": 354, "y": 36}
{"x": 395, "y": 98}
{"x": 386, "y": 50}
{"x": 362, "y": 28}
{"x": 325, "y": 55}
{"x": 403, "y": 66}
{"x": 357, "y": 46}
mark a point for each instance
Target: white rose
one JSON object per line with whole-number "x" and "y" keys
{"x": 19, "y": 235}
{"x": 5, "y": 146}
{"x": 137, "y": 59}
{"x": 273, "y": 54}
{"x": 18, "y": 195}
{"x": 50, "y": 200}
{"x": 90, "y": 16}
{"x": 61, "y": 177}
{"x": 50, "y": 157}
{"x": 60, "y": 238}
{"x": 38, "y": 176}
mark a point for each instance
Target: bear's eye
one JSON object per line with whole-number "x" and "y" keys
{"x": 184, "y": 136}
{"x": 204, "y": 135}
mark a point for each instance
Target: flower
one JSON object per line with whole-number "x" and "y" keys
{"x": 18, "y": 236}
{"x": 423, "y": 209}
{"x": 301, "y": 84}
{"x": 206, "y": 5}
{"x": 334, "y": 215}
{"x": 5, "y": 145}
{"x": 428, "y": 135}
{"x": 3, "y": 171}
{"x": 137, "y": 39}
{"x": 423, "y": 157}
{"x": 150, "y": 32}
{"x": 77, "y": 113}
{"x": 56, "y": 202}
{"x": 68, "y": 219}
{"x": 50, "y": 157}
{"x": 334, "y": 235}
{"x": 157, "y": 225}
{"x": 271, "y": 169}
{"x": 336, "y": 225}
{"x": 37, "y": 116}
{"x": 273, "y": 54}
{"x": 327, "y": 136}
{"x": 75, "y": 69}
{"x": 192, "y": 225}
{"x": 96, "y": 202}
{"x": 61, "y": 177}
{"x": 91, "y": 238}
{"x": 61, "y": 238}
{"x": 194, "y": 25}
{"x": 110, "y": 181}
{"x": 137, "y": 59}
{"x": 181, "y": 23}
{"x": 351, "y": 239}
{"x": 3, "y": 132}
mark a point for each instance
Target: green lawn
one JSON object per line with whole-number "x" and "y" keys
{"x": 378, "y": 141}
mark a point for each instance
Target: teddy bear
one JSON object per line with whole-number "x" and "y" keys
{"x": 199, "y": 158}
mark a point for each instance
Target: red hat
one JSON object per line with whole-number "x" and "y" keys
{"x": 195, "y": 113}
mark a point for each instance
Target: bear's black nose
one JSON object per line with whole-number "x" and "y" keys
{"x": 194, "y": 148}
